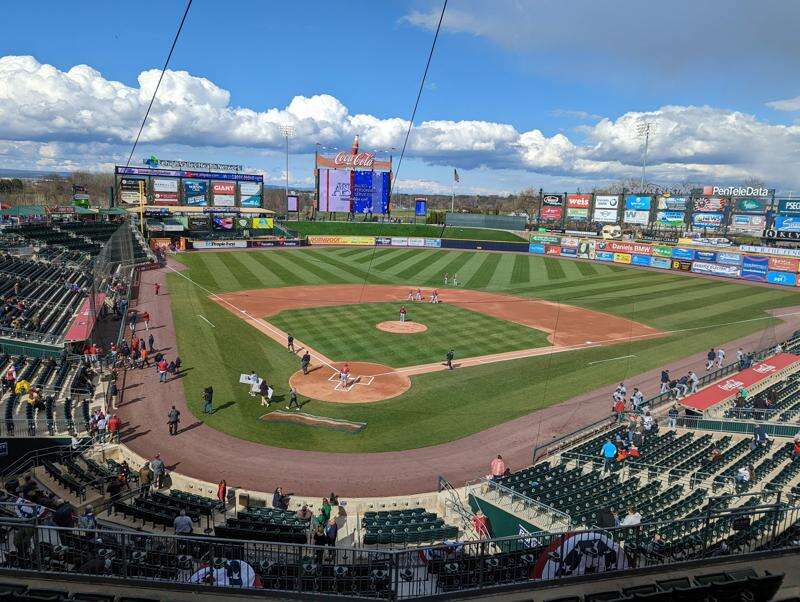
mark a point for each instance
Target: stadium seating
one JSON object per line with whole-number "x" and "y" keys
{"x": 399, "y": 527}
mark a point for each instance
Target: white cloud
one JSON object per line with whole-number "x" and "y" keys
{"x": 77, "y": 119}
{"x": 788, "y": 104}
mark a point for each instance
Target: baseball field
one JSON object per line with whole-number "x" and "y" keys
{"x": 528, "y": 332}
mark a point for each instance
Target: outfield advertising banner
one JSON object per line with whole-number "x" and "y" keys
{"x": 751, "y": 205}
{"x": 399, "y": 241}
{"x": 578, "y": 215}
{"x": 606, "y": 216}
{"x": 370, "y": 192}
{"x": 570, "y": 241}
{"x": 570, "y": 251}
{"x": 605, "y": 256}
{"x": 729, "y": 258}
{"x": 637, "y": 203}
{"x": 334, "y": 190}
{"x": 641, "y": 260}
{"x": 771, "y": 250}
{"x": 748, "y": 223}
{"x": 586, "y": 249}
{"x": 755, "y": 268}
{"x": 194, "y": 192}
{"x": 710, "y": 204}
{"x": 789, "y": 207}
{"x": 219, "y": 244}
{"x": 606, "y": 202}
{"x": 165, "y": 191}
{"x": 578, "y": 201}
{"x": 661, "y": 251}
{"x": 553, "y": 200}
{"x": 416, "y": 242}
{"x": 636, "y": 217}
{"x": 433, "y": 243}
{"x": 715, "y": 269}
{"x": 617, "y": 246}
{"x": 784, "y": 264}
{"x": 681, "y": 265}
{"x": 551, "y": 213}
{"x": 684, "y": 254}
{"x": 224, "y": 194}
{"x": 673, "y": 203}
{"x": 784, "y": 278}
{"x": 249, "y": 194}
{"x": 547, "y": 239}
{"x": 707, "y": 220}
{"x": 622, "y": 257}
{"x": 660, "y": 262}
{"x": 787, "y": 223}
{"x": 133, "y": 191}
{"x": 362, "y": 241}
{"x": 263, "y": 223}
{"x": 670, "y": 218}
{"x": 700, "y": 255}
{"x": 536, "y": 247}
{"x": 383, "y": 241}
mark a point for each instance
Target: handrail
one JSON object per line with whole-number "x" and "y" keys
{"x": 464, "y": 512}
{"x": 22, "y": 464}
{"x": 556, "y": 516}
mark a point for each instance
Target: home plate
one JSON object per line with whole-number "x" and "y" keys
{"x": 378, "y": 382}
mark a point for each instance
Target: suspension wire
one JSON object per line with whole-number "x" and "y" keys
{"x": 158, "y": 84}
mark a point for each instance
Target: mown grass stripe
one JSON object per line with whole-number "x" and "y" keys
{"x": 554, "y": 269}
{"x": 586, "y": 269}
{"x": 485, "y": 272}
{"x": 393, "y": 260}
{"x": 287, "y": 276}
{"x": 226, "y": 280}
{"x": 456, "y": 263}
{"x": 244, "y": 275}
{"x": 371, "y": 255}
{"x": 427, "y": 260}
{"x": 346, "y": 267}
{"x": 522, "y": 269}
{"x": 316, "y": 269}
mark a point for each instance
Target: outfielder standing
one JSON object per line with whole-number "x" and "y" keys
{"x": 450, "y": 356}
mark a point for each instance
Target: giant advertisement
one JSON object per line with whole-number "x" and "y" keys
{"x": 751, "y": 205}
{"x": 606, "y": 216}
{"x": 755, "y": 268}
{"x": 636, "y": 217}
{"x": 707, "y": 220}
{"x": 249, "y": 194}
{"x": 787, "y": 223}
{"x": 578, "y": 206}
{"x": 715, "y": 269}
{"x": 784, "y": 264}
{"x": 637, "y": 203}
{"x": 710, "y": 204}
{"x": 670, "y": 218}
{"x": 748, "y": 223}
{"x": 551, "y": 214}
{"x": 789, "y": 207}
{"x": 194, "y": 192}
{"x": 224, "y": 194}
{"x": 165, "y": 191}
{"x": 334, "y": 190}
{"x": 370, "y": 192}
{"x": 784, "y": 278}
{"x": 673, "y": 203}
{"x": 133, "y": 191}
{"x": 606, "y": 201}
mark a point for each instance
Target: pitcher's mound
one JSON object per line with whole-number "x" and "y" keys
{"x": 398, "y": 327}
{"x": 367, "y": 383}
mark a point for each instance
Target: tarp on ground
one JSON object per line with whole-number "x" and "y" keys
{"x": 82, "y": 325}
{"x": 728, "y": 389}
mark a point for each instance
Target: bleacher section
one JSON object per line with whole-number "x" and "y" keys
{"x": 399, "y": 527}
{"x": 778, "y": 403}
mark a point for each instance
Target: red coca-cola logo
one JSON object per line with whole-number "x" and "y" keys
{"x": 357, "y": 160}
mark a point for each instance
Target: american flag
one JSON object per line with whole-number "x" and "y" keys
{"x": 455, "y": 176}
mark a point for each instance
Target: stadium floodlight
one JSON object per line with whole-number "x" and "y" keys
{"x": 643, "y": 130}
{"x": 287, "y": 131}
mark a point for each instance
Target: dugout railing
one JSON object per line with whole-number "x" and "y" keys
{"x": 32, "y": 548}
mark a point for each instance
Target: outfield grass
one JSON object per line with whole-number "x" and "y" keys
{"x": 348, "y": 332}
{"x": 443, "y": 406}
{"x": 385, "y": 229}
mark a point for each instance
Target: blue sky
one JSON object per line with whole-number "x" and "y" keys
{"x": 520, "y": 93}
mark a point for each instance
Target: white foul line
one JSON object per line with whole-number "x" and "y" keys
{"x": 611, "y": 359}
{"x": 205, "y": 320}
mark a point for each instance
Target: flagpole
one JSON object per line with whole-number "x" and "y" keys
{"x": 453, "y": 195}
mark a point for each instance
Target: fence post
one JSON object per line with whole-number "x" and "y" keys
{"x": 775, "y": 519}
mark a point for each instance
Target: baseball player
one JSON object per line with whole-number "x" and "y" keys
{"x": 720, "y": 357}
{"x": 305, "y": 362}
{"x": 402, "y": 313}
{"x": 418, "y": 295}
{"x": 290, "y": 343}
{"x": 344, "y": 374}
{"x": 710, "y": 359}
{"x": 410, "y": 296}
{"x": 450, "y": 355}
{"x": 455, "y": 280}
{"x": 445, "y": 278}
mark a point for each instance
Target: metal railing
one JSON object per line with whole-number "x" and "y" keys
{"x": 724, "y": 425}
{"x": 21, "y": 428}
{"x": 520, "y": 503}
{"x": 201, "y": 563}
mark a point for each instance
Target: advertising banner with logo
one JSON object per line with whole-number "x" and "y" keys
{"x": 579, "y": 201}
{"x": 553, "y": 200}
{"x": 536, "y": 247}
{"x": 771, "y": 250}
{"x": 194, "y": 192}
{"x": 361, "y": 241}
{"x": 748, "y": 223}
{"x": 637, "y": 203}
{"x": 618, "y": 246}
{"x": 661, "y": 251}
{"x": 249, "y": 194}
{"x": 219, "y": 244}
{"x": 705, "y": 256}
{"x": 784, "y": 264}
{"x": 681, "y": 265}
{"x": 551, "y": 213}
{"x": 383, "y": 241}
{"x": 787, "y": 223}
{"x": 715, "y": 269}
{"x": 660, "y": 262}
{"x": 784, "y": 278}
{"x": 685, "y": 254}
{"x": 416, "y": 242}
{"x": 262, "y": 223}
{"x": 165, "y": 185}
{"x": 586, "y": 249}
{"x": 198, "y": 222}
{"x": 789, "y": 207}
{"x": 133, "y": 191}
{"x": 434, "y": 243}
{"x": 569, "y": 241}
{"x": 548, "y": 239}
{"x": 606, "y": 216}
{"x": 642, "y": 260}
{"x": 224, "y": 194}
{"x": 334, "y": 190}
{"x": 707, "y": 220}
{"x": 357, "y": 161}
{"x": 222, "y": 223}
{"x": 673, "y": 203}
{"x": 729, "y": 258}
{"x": 605, "y": 256}
{"x": 552, "y": 250}
{"x": 744, "y": 205}
{"x": 622, "y": 257}
{"x": 570, "y": 251}
{"x": 420, "y": 207}
{"x": 670, "y": 218}
{"x": 709, "y": 204}
{"x": 755, "y": 268}
{"x": 579, "y": 215}
{"x": 370, "y": 192}
{"x": 636, "y": 217}
{"x": 606, "y": 202}
{"x": 399, "y": 241}
{"x": 165, "y": 198}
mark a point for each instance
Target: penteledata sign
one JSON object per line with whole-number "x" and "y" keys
{"x": 736, "y": 191}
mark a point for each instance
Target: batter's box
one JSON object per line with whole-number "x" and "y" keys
{"x": 351, "y": 382}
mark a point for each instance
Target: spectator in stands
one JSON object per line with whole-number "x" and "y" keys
{"x": 619, "y": 409}
{"x": 158, "y": 468}
{"x": 102, "y": 426}
{"x": 609, "y": 454}
{"x": 305, "y": 513}
{"x": 208, "y": 400}
{"x": 331, "y": 532}
{"x": 664, "y": 380}
{"x": 333, "y": 499}
{"x": 222, "y": 493}
{"x": 87, "y": 520}
{"x": 759, "y": 435}
{"x": 620, "y": 392}
{"x": 114, "y": 489}
{"x": 632, "y": 518}
{"x": 173, "y": 419}
{"x": 710, "y": 357}
{"x": 183, "y": 524}
{"x": 324, "y": 511}
{"x": 113, "y": 392}
{"x": 319, "y": 539}
{"x": 145, "y": 478}
{"x": 28, "y": 487}
{"x": 279, "y": 500}
{"x": 144, "y": 356}
{"x": 742, "y": 475}
{"x": 113, "y": 428}
{"x": 132, "y": 318}
{"x": 481, "y": 525}
{"x": 648, "y": 422}
{"x": 796, "y": 451}
{"x": 673, "y": 416}
{"x": 637, "y": 399}
{"x": 64, "y": 516}
{"x": 740, "y": 357}
{"x": 498, "y": 467}
{"x": 716, "y": 455}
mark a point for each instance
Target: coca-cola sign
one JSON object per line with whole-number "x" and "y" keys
{"x": 351, "y": 160}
